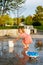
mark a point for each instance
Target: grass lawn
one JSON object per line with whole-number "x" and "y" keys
{"x": 39, "y": 27}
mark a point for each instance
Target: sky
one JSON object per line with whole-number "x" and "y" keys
{"x": 28, "y": 8}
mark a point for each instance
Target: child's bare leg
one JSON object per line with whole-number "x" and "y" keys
{"x": 24, "y": 45}
{"x": 27, "y": 45}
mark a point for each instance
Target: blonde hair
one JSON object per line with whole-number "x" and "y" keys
{"x": 21, "y": 29}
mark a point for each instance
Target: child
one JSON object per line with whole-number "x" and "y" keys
{"x": 26, "y": 38}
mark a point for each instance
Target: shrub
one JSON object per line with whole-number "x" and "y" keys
{"x": 36, "y": 23}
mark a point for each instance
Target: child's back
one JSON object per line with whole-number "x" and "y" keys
{"x": 26, "y": 38}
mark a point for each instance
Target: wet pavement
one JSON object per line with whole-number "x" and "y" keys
{"x": 20, "y": 58}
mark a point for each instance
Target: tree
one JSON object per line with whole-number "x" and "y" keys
{"x": 18, "y": 6}
{"x": 39, "y": 9}
{"x": 28, "y": 20}
{"x": 17, "y": 22}
{"x": 38, "y": 17}
{"x": 9, "y": 5}
{"x": 36, "y": 23}
{"x": 23, "y": 19}
{"x": 2, "y": 21}
{"x": 6, "y": 19}
{"x": 4, "y": 6}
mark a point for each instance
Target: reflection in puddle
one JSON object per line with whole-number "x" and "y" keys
{"x": 39, "y": 45}
{"x": 18, "y": 49}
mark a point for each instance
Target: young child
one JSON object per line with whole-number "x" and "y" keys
{"x": 26, "y": 38}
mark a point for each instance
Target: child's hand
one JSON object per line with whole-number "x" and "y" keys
{"x": 14, "y": 40}
{"x": 17, "y": 38}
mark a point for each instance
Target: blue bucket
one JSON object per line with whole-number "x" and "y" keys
{"x": 32, "y": 54}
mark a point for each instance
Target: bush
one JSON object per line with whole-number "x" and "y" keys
{"x": 36, "y": 23}
{"x": 15, "y": 27}
{"x": 21, "y": 26}
{"x": 39, "y": 27}
{"x": 11, "y": 27}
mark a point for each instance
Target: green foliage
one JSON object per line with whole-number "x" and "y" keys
{"x": 17, "y": 21}
{"x": 21, "y": 26}
{"x": 39, "y": 27}
{"x": 22, "y": 19}
{"x": 36, "y": 23}
{"x": 41, "y": 21}
{"x": 38, "y": 17}
{"x": 9, "y": 27}
{"x": 6, "y": 19}
{"x": 19, "y": 1}
{"x": 15, "y": 27}
{"x": 28, "y": 20}
{"x": 39, "y": 9}
{"x": 10, "y": 5}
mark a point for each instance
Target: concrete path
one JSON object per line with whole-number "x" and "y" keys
{"x": 37, "y": 36}
{"x": 12, "y": 37}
